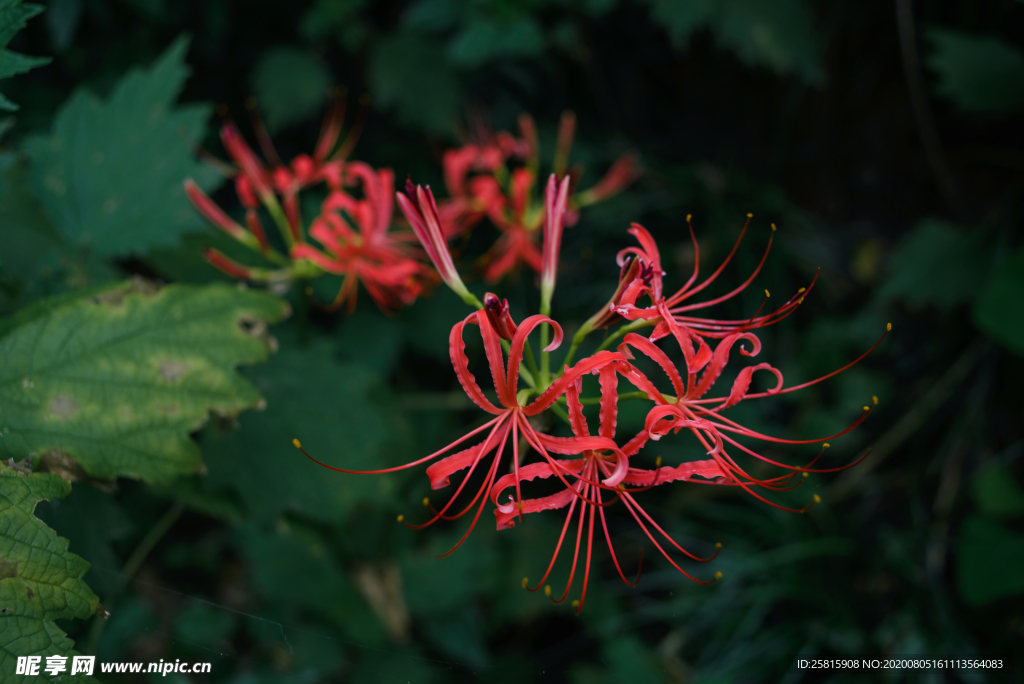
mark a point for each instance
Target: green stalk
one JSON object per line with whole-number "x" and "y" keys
{"x": 132, "y": 565}
{"x": 276, "y": 213}
{"x": 628, "y": 328}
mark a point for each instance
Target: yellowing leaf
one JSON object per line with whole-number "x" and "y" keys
{"x": 116, "y": 381}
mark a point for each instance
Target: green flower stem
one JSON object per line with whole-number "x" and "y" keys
{"x": 628, "y": 328}
{"x": 132, "y": 565}
{"x": 531, "y": 363}
{"x": 561, "y": 413}
{"x": 274, "y": 208}
{"x": 576, "y": 340}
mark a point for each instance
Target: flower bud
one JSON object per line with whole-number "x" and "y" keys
{"x": 498, "y": 316}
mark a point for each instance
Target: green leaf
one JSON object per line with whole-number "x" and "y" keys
{"x": 13, "y": 17}
{"x": 413, "y": 77}
{"x": 978, "y": 74}
{"x": 343, "y": 415}
{"x": 937, "y": 264}
{"x": 39, "y": 580}
{"x": 290, "y": 86}
{"x": 482, "y": 40}
{"x": 116, "y": 382}
{"x": 110, "y": 174}
{"x": 778, "y": 35}
{"x": 35, "y": 258}
{"x": 999, "y": 311}
{"x": 990, "y": 561}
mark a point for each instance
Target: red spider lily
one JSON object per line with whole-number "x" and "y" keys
{"x": 668, "y": 312}
{"x": 555, "y": 200}
{"x": 420, "y": 209}
{"x": 592, "y": 473}
{"x": 510, "y": 421}
{"x": 355, "y": 234}
{"x": 703, "y": 418}
{"x": 482, "y": 183}
{"x": 276, "y": 187}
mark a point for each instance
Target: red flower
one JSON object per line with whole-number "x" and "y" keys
{"x": 670, "y": 313}
{"x": 510, "y": 422}
{"x": 495, "y": 175}
{"x": 355, "y": 234}
{"x": 599, "y": 470}
{"x": 421, "y": 211}
{"x": 276, "y": 187}
{"x": 702, "y": 416}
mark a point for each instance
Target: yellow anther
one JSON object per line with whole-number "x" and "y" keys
{"x": 688, "y": 217}
{"x": 806, "y": 474}
{"x": 802, "y": 289}
{"x": 547, "y": 590}
{"x": 297, "y": 443}
{"x": 718, "y": 575}
{"x": 426, "y": 501}
{"x": 401, "y": 518}
{"x": 800, "y": 301}
{"x": 874, "y": 400}
{"x": 657, "y": 462}
{"x": 575, "y": 604}
{"x": 817, "y": 499}
{"x": 718, "y": 545}
{"x": 825, "y": 445}
{"x": 526, "y": 580}
{"x": 767, "y": 293}
{"x": 867, "y": 408}
{"x": 888, "y": 326}
{"x": 773, "y": 228}
{"x": 750, "y": 216}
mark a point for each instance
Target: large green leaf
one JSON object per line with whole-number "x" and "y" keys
{"x": 117, "y": 381}
{"x": 999, "y": 310}
{"x": 13, "y": 16}
{"x": 779, "y": 35}
{"x": 110, "y": 174}
{"x": 342, "y": 413}
{"x": 978, "y": 74}
{"x": 290, "y": 86}
{"x": 39, "y": 580}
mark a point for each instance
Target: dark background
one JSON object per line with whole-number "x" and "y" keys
{"x": 888, "y": 149}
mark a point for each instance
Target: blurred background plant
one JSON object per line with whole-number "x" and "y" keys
{"x": 883, "y": 139}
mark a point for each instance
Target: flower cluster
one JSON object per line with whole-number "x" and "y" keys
{"x": 353, "y": 234}
{"x": 496, "y": 176}
{"x": 595, "y": 469}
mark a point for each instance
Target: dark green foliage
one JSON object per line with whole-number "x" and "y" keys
{"x": 292, "y": 86}
{"x": 979, "y": 74}
{"x": 13, "y": 16}
{"x": 220, "y": 542}
{"x": 109, "y": 174}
